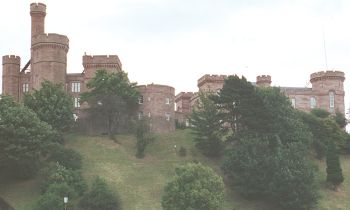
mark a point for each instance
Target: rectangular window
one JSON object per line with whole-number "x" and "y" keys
{"x": 76, "y": 102}
{"x": 293, "y": 102}
{"x": 149, "y": 114}
{"x": 140, "y": 99}
{"x": 331, "y": 99}
{"x": 139, "y": 115}
{"x": 25, "y": 87}
{"x": 167, "y": 100}
{"x": 75, "y": 87}
{"x": 312, "y": 102}
{"x": 167, "y": 116}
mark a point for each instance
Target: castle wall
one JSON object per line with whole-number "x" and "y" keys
{"x": 158, "y": 104}
{"x": 10, "y": 75}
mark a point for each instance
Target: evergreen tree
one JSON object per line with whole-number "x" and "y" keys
{"x": 334, "y": 171}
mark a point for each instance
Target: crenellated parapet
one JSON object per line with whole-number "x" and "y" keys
{"x": 101, "y": 61}
{"x": 327, "y": 75}
{"x": 211, "y": 78}
{"x": 37, "y": 8}
{"x": 183, "y": 95}
{"x": 11, "y": 59}
{"x": 50, "y": 40}
{"x": 263, "y": 80}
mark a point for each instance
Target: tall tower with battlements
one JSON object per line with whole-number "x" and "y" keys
{"x": 48, "y": 51}
{"x": 10, "y": 75}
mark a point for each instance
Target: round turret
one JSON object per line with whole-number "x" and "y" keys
{"x": 157, "y": 103}
{"x": 10, "y": 75}
{"x": 38, "y": 13}
{"x": 263, "y": 81}
{"x": 49, "y": 59}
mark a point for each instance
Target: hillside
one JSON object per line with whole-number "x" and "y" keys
{"x": 140, "y": 182}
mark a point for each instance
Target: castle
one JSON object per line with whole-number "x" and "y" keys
{"x": 48, "y": 61}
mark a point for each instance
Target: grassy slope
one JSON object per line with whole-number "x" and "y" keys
{"x": 140, "y": 182}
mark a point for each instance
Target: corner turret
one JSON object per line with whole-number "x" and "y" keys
{"x": 10, "y": 75}
{"x": 38, "y": 13}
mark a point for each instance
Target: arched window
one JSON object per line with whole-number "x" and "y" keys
{"x": 331, "y": 101}
{"x": 312, "y": 102}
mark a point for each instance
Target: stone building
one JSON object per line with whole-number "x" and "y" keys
{"x": 48, "y": 61}
{"x": 327, "y": 92}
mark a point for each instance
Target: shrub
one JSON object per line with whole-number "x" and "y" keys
{"x": 68, "y": 158}
{"x": 182, "y": 151}
{"x": 100, "y": 197}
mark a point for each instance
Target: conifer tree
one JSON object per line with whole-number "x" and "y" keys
{"x": 334, "y": 171}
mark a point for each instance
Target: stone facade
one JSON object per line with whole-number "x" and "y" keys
{"x": 157, "y": 103}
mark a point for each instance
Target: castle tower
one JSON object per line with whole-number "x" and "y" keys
{"x": 328, "y": 89}
{"x": 263, "y": 81}
{"x": 38, "y": 13}
{"x": 211, "y": 83}
{"x": 48, "y": 51}
{"x": 10, "y": 75}
{"x": 110, "y": 63}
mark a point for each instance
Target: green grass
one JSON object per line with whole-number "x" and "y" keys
{"x": 140, "y": 182}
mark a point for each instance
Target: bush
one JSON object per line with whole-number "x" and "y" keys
{"x": 58, "y": 174}
{"x": 68, "y": 158}
{"x": 50, "y": 201}
{"x": 100, "y": 197}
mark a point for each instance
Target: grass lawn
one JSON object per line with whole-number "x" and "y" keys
{"x": 140, "y": 182}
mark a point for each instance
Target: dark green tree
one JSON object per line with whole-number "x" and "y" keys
{"x": 207, "y": 125}
{"x": 100, "y": 197}
{"x": 53, "y": 105}
{"x": 334, "y": 171}
{"x": 24, "y": 139}
{"x": 194, "y": 187}
{"x": 321, "y": 113}
{"x": 111, "y": 96}
{"x": 238, "y": 99}
{"x": 143, "y": 136}
{"x": 340, "y": 119}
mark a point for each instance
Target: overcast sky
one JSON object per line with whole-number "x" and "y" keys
{"x": 174, "y": 42}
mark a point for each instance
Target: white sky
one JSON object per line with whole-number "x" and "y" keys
{"x": 174, "y": 42}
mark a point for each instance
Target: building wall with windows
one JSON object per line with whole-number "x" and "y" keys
{"x": 157, "y": 103}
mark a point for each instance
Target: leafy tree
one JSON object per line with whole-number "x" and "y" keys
{"x": 143, "y": 136}
{"x": 68, "y": 158}
{"x": 24, "y": 139}
{"x": 321, "y": 113}
{"x": 238, "y": 99}
{"x": 261, "y": 166}
{"x": 100, "y": 197}
{"x": 53, "y": 105}
{"x": 334, "y": 171}
{"x": 207, "y": 125}
{"x": 340, "y": 119}
{"x": 194, "y": 187}
{"x": 111, "y": 96}
{"x": 50, "y": 201}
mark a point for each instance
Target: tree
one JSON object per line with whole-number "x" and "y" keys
{"x": 207, "y": 125}
{"x": 100, "y": 197}
{"x": 340, "y": 119}
{"x": 53, "y": 105}
{"x": 143, "y": 136}
{"x": 194, "y": 187}
{"x": 238, "y": 99}
{"x": 111, "y": 96}
{"x": 334, "y": 171}
{"x": 24, "y": 139}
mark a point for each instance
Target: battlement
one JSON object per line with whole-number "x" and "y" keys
{"x": 263, "y": 79}
{"x": 101, "y": 59}
{"x": 51, "y": 38}
{"x": 211, "y": 78}
{"x": 37, "y": 9}
{"x": 323, "y": 75}
{"x": 182, "y": 95}
{"x": 11, "y": 59}
{"x": 156, "y": 88}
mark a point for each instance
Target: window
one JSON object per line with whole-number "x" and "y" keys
{"x": 149, "y": 98}
{"x": 76, "y": 102}
{"x": 25, "y": 87}
{"x": 75, "y": 87}
{"x": 331, "y": 101}
{"x": 149, "y": 114}
{"x": 312, "y": 102}
{"x": 140, "y": 99}
{"x": 293, "y": 102}
{"x": 167, "y": 116}
{"x": 167, "y": 100}
{"x": 139, "y": 115}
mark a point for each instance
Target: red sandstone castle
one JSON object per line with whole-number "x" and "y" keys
{"x": 48, "y": 61}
